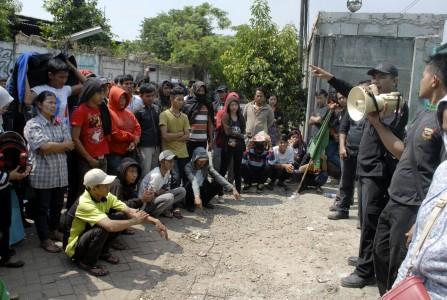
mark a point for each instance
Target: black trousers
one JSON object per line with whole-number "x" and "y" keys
{"x": 390, "y": 248}
{"x": 96, "y": 242}
{"x": 254, "y": 175}
{"x": 48, "y": 205}
{"x": 374, "y": 197}
{"x": 347, "y": 183}
{"x": 5, "y": 222}
{"x": 207, "y": 192}
{"x": 279, "y": 174}
{"x": 235, "y": 154}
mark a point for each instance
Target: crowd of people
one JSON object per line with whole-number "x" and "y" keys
{"x": 104, "y": 156}
{"x": 131, "y": 152}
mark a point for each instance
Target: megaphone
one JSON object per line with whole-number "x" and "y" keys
{"x": 361, "y": 102}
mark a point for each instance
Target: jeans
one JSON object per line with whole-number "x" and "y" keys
{"x": 207, "y": 192}
{"x": 178, "y": 173}
{"x": 48, "y": 205}
{"x": 234, "y": 155}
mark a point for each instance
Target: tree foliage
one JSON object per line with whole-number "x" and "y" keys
{"x": 187, "y": 36}
{"x": 8, "y": 9}
{"x": 264, "y": 55}
{"x": 71, "y": 16}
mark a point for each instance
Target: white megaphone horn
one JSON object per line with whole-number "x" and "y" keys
{"x": 361, "y": 102}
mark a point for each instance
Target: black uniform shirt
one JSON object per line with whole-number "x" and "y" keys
{"x": 373, "y": 159}
{"x": 423, "y": 147}
{"x": 353, "y": 131}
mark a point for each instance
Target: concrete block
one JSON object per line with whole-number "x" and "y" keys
{"x": 64, "y": 288}
{"x": 378, "y": 30}
{"x": 50, "y": 290}
{"x": 349, "y": 29}
{"x": 412, "y": 30}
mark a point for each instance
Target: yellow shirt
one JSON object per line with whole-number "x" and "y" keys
{"x": 90, "y": 212}
{"x": 174, "y": 125}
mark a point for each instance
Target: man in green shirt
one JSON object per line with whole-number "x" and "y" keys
{"x": 96, "y": 219}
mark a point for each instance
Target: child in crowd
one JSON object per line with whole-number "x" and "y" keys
{"x": 126, "y": 130}
{"x": 255, "y": 168}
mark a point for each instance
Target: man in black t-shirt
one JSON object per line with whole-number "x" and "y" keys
{"x": 419, "y": 155}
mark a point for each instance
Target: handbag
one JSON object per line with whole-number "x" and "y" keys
{"x": 412, "y": 287}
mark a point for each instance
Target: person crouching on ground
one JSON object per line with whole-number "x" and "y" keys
{"x": 92, "y": 224}
{"x": 255, "y": 168}
{"x": 159, "y": 182}
{"x": 200, "y": 191}
{"x": 281, "y": 163}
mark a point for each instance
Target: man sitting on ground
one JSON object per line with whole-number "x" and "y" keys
{"x": 92, "y": 224}
{"x": 159, "y": 181}
{"x": 281, "y": 162}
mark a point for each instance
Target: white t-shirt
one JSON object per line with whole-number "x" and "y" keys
{"x": 155, "y": 180}
{"x": 62, "y": 95}
{"x": 136, "y": 104}
{"x": 283, "y": 158}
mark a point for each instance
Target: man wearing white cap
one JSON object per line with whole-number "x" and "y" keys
{"x": 159, "y": 181}
{"x": 90, "y": 226}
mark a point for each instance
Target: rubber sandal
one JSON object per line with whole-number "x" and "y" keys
{"x": 114, "y": 260}
{"x": 177, "y": 214}
{"x": 97, "y": 270}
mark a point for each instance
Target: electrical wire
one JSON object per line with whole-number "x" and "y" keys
{"x": 409, "y": 6}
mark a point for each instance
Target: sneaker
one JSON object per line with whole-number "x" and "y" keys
{"x": 338, "y": 215}
{"x": 353, "y": 260}
{"x": 357, "y": 282}
{"x": 260, "y": 187}
{"x": 49, "y": 246}
{"x": 269, "y": 186}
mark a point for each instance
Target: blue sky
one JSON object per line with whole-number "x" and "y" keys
{"x": 126, "y": 16}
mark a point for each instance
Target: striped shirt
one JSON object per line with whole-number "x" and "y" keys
{"x": 256, "y": 159}
{"x": 199, "y": 126}
{"x": 50, "y": 170}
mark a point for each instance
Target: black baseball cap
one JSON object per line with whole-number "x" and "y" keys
{"x": 385, "y": 69}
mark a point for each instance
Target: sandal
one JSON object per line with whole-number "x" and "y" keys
{"x": 97, "y": 270}
{"x": 177, "y": 214}
{"x": 114, "y": 260}
{"x": 50, "y": 246}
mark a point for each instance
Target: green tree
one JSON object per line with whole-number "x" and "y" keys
{"x": 187, "y": 36}
{"x": 71, "y": 16}
{"x": 8, "y": 10}
{"x": 265, "y": 56}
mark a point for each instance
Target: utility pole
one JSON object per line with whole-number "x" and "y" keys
{"x": 304, "y": 21}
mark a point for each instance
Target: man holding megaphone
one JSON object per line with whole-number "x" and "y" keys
{"x": 375, "y": 165}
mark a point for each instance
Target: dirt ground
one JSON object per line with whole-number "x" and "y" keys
{"x": 267, "y": 246}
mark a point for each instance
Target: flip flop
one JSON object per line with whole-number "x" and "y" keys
{"x": 177, "y": 214}
{"x": 97, "y": 270}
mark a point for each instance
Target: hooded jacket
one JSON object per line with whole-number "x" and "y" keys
{"x": 226, "y": 129}
{"x": 164, "y": 102}
{"x": 5, "y": 99}
{"x": 123, "y": 191}
{"x": 90, "y": 87}
{"x": 197, "y": 176}
{"x": 125, "y": 126}
{"x": 193, "y": 104}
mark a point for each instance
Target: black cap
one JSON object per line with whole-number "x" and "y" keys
{"x": 385, "y": 69}
{"x": 222, "y": 88}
